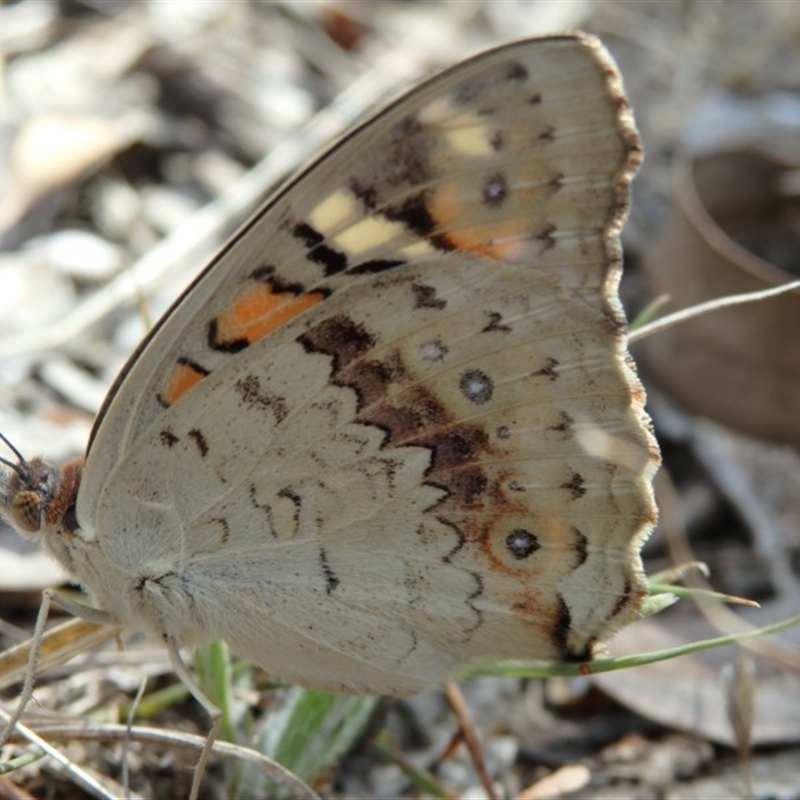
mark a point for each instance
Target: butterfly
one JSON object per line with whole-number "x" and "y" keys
{"x": 358, "y": 447}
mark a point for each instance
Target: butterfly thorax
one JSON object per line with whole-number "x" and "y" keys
{"x": 39, "y": 500}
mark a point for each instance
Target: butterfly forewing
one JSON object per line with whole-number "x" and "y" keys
{"x": 356, "y": 448}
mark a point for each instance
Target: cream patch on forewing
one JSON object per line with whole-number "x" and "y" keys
{"x": 469, "y": 136}
{"x": 370, "y": 233}
{"x": 437, "y": 112}
{"x": 465, "y": 132}
{"x": 333, "y": 211}
{"x": 420, "y": 248}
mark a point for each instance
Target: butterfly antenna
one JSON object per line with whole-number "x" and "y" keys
{"x": 21, "y": 463}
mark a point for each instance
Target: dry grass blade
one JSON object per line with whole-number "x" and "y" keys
{"x": 669, "y": 320}
{"x": 175, "y": 739}
{"x": 58, "y": 646}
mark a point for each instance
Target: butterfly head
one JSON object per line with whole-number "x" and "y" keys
{"x": 35, "y": 495}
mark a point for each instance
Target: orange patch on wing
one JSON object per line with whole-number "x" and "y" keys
{"x": 505, "y": 240}
{"x": 183, "y": 377}
{"x": 258, "y": 311}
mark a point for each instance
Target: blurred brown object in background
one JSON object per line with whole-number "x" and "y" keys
{"x": 735, "y": 228}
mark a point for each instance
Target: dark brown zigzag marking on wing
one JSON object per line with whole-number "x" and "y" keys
{"x": 418, "y": 419}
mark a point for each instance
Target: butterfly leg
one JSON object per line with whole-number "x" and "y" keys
{"x": 99, "y": 616}
{"x": 76, "y": 609}
{"x": 80, "y": 777}
{"x": 30, "y": 672}
{"x": 80, "y": 610}
{"x": 213, "y": 711}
